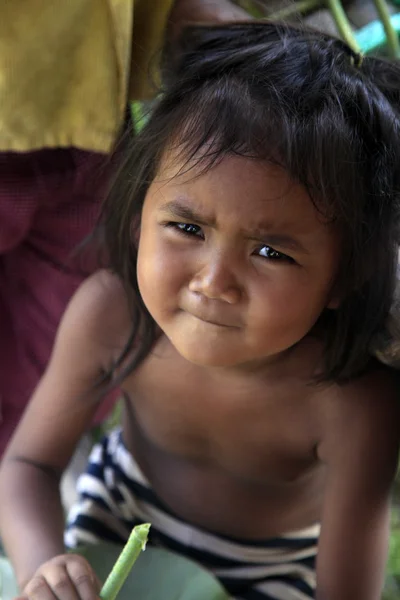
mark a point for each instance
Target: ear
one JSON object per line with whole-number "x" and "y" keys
{"x": 334, "y": 303}
{"x": 337, "y": 293}
{"x": 335, "y": 297}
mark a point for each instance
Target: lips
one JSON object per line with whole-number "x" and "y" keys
{"x": 212, "y": 317}
{"x": 217, "y": 323}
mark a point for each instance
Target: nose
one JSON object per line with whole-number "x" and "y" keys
{"x": 217, "y": 280}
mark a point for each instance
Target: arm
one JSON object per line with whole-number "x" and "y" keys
{"x": 206, "y": 11}
{"x": 360, "y": 449}
{"x": 31, "y": 515}
{"x": 152, "y": 20}
{"x": 188, "y": 12}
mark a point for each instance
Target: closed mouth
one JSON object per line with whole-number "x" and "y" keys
{"x": 216, "y": 323}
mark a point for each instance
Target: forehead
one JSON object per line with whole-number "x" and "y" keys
{"x": 249, "y": 192}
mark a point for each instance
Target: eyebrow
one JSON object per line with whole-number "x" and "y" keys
{"x": 262, "y": 233}
{"x": 176, "y": 209}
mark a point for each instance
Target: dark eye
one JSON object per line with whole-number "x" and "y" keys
{"x": 272, "y": 254}
{"x": 188, "y": 229}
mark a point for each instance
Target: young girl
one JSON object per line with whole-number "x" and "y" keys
{"x": 253, "y": 236}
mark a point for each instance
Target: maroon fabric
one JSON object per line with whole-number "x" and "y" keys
{"x": 49, "y": 202}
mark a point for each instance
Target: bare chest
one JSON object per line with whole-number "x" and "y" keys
{"x": 263, "y": 432}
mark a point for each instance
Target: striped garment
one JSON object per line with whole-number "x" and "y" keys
{"x": 115, "y": 496}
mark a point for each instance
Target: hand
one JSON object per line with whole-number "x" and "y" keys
{"x": 187, "y": 12}
{"x": 65, "y": 577}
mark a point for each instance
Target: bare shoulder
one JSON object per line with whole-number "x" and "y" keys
{"x": 374, "y": 394}
{"x": 104, "y": 296}
{"x": 364, "y": 411}
{"x": 359, "y": 446}
{"x": 100, "y": 310}
{"x": 68, "y": 394}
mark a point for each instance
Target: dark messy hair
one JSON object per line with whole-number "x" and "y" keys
{"x": 300, "y": 99}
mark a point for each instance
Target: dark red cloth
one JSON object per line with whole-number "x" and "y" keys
{"x": 49, "y": 202}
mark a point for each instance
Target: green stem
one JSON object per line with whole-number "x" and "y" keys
{"x": 392, "y": 38}
{"x": 299, "y": 7}
{"x": 343, "y": 24}
{"x": 249, "y": 6}
{"x": 125, "y": 561}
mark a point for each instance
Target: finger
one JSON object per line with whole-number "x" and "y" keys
{"x": 62, "y": 586}
{"x": 38, "y": 589}
{"x": 84, "y": 579}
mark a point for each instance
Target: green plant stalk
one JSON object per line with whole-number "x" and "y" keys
{"x": 343, "y": 24}
{"x": 299, "y": 7}
{"x": 120, "y": 571}
{"x": 392, "y": 38}
{"x": 251, "y": 8}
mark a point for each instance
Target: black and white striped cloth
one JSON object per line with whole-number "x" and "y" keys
{"x": 114, "y": 496}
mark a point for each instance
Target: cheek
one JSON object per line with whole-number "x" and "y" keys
{"x": 159, "y": 274}
{"x": 290, "y": 302}
{"x": 150, "y": 268}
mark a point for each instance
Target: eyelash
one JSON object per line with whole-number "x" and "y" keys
{"x": 186, "y": 229}
{"x": 275, "y": 255}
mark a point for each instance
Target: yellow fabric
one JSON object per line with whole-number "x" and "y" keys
{"x": 65, "y": 68}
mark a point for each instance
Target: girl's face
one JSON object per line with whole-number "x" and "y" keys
{"x": 235, "y": 265}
